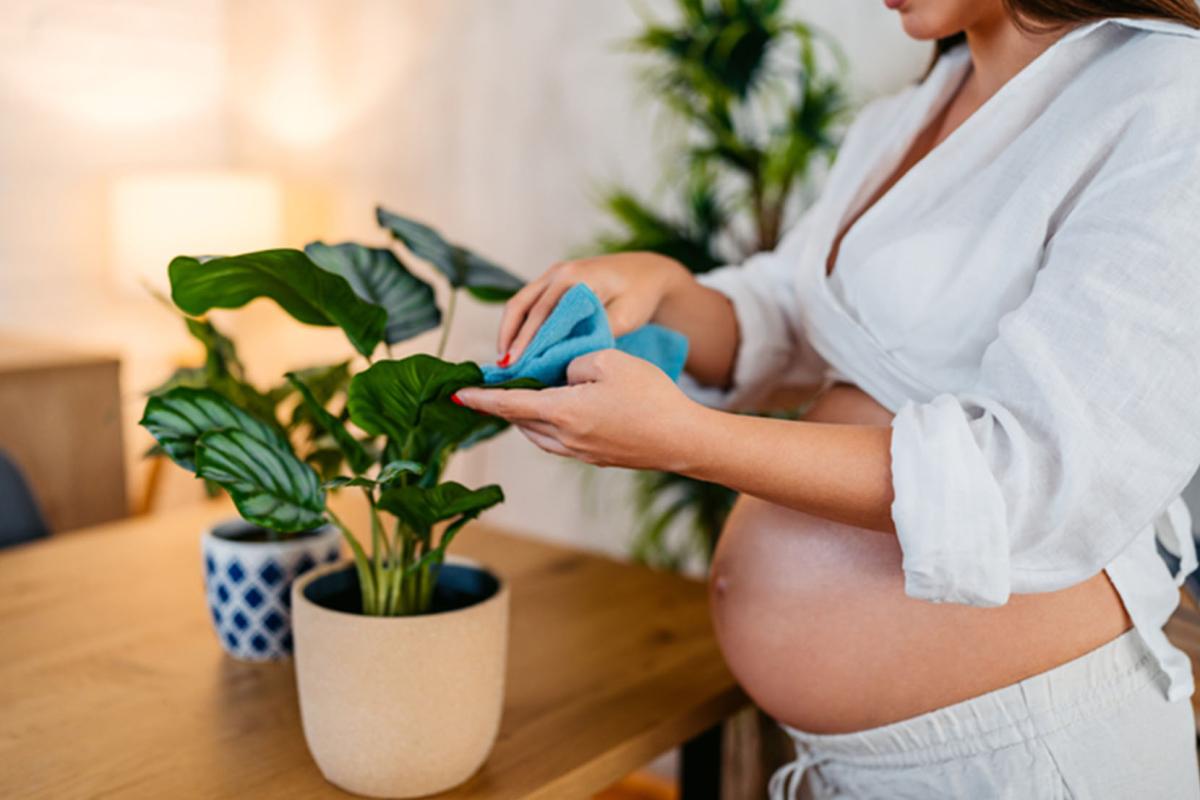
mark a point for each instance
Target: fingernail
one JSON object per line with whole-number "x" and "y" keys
{"x": 455, "y": 399}
{"x": 505, "y": 360}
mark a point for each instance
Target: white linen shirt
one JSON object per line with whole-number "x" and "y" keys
{"x": 1026, "y": 301}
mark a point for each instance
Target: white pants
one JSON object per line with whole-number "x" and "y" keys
{"x": 1096, "y": 727}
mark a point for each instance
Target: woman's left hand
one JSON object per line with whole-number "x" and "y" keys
{"x": 615, "y": 411}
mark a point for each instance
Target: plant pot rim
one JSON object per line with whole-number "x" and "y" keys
{"x": 302, "y": 582}
{"x": 290, "y": 540}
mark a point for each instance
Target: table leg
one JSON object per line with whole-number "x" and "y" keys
{"x": 700, "y": 766}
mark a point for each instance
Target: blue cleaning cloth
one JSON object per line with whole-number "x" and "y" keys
{"x": 578, "y": 325}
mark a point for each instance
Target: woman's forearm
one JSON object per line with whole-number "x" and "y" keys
{"x": 839, "y": 472}
{"x": 707, "y": 318}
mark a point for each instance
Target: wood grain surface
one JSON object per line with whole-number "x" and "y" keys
{"x": 112, "y": 683}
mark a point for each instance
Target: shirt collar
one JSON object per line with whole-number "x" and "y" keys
{"x": 1153, "y": 25}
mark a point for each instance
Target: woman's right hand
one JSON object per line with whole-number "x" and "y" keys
{"x": 631, "y": 286}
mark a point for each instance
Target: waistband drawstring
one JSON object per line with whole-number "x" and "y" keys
{"x": 785, "y": 783}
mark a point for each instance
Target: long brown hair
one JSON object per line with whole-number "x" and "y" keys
{"x": 1036, "y": 15}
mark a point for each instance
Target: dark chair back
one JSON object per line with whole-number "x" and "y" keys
{"x": 20, "y": 518}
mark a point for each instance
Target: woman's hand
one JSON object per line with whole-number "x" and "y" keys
{"x": 615, "y": 411}
{"x": 631, "y": 286}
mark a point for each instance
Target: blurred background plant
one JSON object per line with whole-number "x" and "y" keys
{"x": 755, "y": 101}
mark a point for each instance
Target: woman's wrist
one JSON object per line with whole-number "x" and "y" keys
{"x": 674, "y": 279}
{"x": 695, "y": 440}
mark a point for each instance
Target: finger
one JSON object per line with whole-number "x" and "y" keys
{"x": 547, "y": 443}
{"x": 514, "y": 312}
{"x": 585, "y": 368}
{"x": 537, "y": 315}
{"x": 524, "y": 404}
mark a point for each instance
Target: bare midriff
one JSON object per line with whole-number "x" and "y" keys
{"x": 814, "y": 622}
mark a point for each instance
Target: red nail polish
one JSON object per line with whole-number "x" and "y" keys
{"x": 455, "y": 400}
{"x": 505, "y": 360}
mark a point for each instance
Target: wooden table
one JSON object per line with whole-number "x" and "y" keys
{"x": 112, "y": 683}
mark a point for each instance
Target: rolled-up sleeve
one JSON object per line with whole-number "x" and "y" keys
{"x": 1084, "y": 424}
{"x": 772, "y": 348}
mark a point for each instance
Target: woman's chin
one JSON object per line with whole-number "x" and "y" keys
{"x": 918, "y": 26}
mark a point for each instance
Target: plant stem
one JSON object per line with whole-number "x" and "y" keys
{"x": 377, "y": 552}
{"x": 450, "y": 305}
{"x": 361, "y": 564}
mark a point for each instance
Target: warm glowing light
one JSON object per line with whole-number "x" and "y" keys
{"x": 306, "y": 78}
{"x": 115, "y": 66}
{"x": 158, "y": 216}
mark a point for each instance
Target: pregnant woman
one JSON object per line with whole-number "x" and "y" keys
{"x": 945, "y": 580}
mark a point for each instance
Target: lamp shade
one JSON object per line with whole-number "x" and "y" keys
{"x": 158, "y": 216}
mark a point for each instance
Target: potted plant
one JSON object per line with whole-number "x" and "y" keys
{"x": 248, "y": 569}
{"x": 396, "y": 605}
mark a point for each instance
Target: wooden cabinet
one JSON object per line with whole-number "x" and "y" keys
{"x": 60, "y": 420}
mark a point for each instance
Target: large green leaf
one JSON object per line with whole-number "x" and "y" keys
{"x": 379, "y": 278}
{"x": 449, "y": 425}
{"x": 176, "y": 419}
{"x": 268, "y": 484}
{"x": 421, "y": 508}
{"x": 464, "y": 269}
{"x": 312, "y": 295}
{"x": 355, "y": 454}
{"x": 391, "y": 397}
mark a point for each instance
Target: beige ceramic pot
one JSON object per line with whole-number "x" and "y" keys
{"x": 400, "y": 706}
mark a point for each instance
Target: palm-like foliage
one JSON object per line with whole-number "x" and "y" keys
{"x": 760, "y": 98}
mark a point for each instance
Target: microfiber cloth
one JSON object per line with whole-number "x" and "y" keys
{"x": 578, "y": 325}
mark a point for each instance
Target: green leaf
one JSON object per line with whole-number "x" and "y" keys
{"x": 446, "y": 427}
{"x": 394, "y": 469}
{"x": 486, "y": 280}
{"x": 220, "y": 353}
{"x": 356, "y": 456}
{"x": 324, "y": 382}
{"x": 310, "y": 294}
{"x": 327, "y": 461}
{"x": 268, "y": 484}
{"x": 246, "y": 397}
{"x": 391, "y": 397}
{"x": 342, "y": 481}
{"x": 225, "y": 374}
{"x": 421, "y": 508}
{"x": 386, "y": 475}
{"x": 179, "y": 417}
{"x": 378, "y": 277}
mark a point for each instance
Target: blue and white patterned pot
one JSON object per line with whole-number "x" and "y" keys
{"x": 248, "y": 584}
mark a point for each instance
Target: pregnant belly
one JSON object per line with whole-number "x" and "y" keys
{"x": 813, "y": 620}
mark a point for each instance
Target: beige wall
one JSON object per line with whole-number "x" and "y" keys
{"x": 497, "y": 119}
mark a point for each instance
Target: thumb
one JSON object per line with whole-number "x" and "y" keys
{"x": 585, "y": 368}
